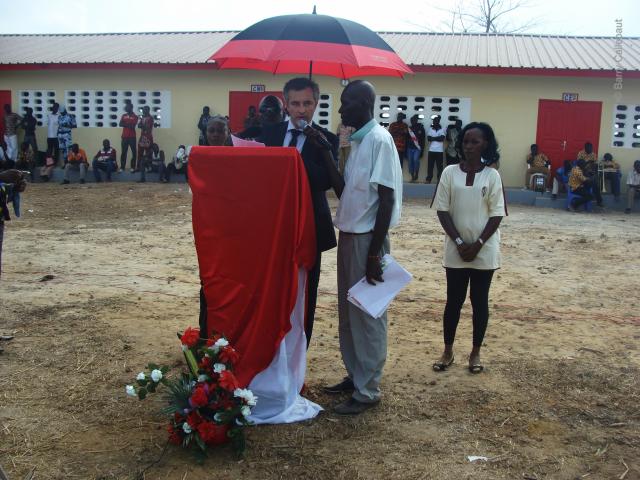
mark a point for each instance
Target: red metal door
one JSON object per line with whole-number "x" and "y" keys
{"x": 564, "y": 128}
{"x": 5, "y": 99}
{"x": 239, "y": 103}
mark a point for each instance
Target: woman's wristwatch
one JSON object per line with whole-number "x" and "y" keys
{"x": 459, "y": 241}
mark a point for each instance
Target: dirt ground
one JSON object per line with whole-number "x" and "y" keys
{"x": 558, "y": 399}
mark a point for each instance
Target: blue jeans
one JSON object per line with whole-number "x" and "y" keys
{"x": 108, "y": 166}
{"x": 413, "y": 154}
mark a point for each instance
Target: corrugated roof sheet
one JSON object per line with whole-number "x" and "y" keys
{"x": 424, "y": 49}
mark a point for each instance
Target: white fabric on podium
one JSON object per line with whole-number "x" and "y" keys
{"x": 278, "y": 386}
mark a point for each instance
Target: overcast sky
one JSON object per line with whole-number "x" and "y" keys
{"x": 566, "y": 17}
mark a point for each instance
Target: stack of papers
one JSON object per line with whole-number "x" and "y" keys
{"x": 374, "y": 299}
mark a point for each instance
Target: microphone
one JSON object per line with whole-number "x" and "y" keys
{"x": 319, "y": 138}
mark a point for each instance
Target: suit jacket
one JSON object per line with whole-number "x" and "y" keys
{"x": 318, "y": 175}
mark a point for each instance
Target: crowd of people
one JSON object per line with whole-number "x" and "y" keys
{"x": 62, "y": 152}
{"x": 582, "y": 178}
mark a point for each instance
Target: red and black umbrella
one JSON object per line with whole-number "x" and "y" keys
{"x": 311, "y": 43}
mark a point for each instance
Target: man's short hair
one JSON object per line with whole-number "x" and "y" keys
{"x": 301, "y": 83}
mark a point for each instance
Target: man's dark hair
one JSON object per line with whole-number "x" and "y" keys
{"x": 491, "y": 154}
{"x": 298, "y": 84}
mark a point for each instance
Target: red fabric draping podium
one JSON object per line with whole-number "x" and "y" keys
{"x": 254, "y": 228}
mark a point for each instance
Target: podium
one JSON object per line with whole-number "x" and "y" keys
{"x": 254, "y": 233}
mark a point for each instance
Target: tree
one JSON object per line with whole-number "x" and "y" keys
{"x": 488, "y": 16}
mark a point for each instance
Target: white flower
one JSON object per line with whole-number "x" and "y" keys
{"x": 217, "y": 417}
{"x": 186, "y": 427}
{"x": 156, "y": 375}
{"x": 202, "y": 378}
{"x": 219, "y": 367}
{"x": 131, "y": 391}
{"x": 246, "y": 395}
{"x": 184, "y": 348}
{"x": 141, "y": 376}
{"x": 220, "y": 343}
{"x": 245, "y": 410}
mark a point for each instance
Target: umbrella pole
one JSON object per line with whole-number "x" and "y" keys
{"x": 310, "y": 69}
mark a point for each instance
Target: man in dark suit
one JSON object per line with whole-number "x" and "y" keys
{"x": 314, "y": 144}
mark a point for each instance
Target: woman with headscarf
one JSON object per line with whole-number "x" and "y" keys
{"x": 66, "y": 122}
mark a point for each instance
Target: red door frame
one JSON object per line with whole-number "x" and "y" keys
{"x": 239, "y": 103}
{"x": 564, "y": 127}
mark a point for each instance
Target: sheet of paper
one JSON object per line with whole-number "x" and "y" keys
{"x": 241, "y": 142}
{"x": 374, "y": 299}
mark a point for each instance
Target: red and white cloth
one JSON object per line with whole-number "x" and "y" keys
{"x": 255, "y": 238}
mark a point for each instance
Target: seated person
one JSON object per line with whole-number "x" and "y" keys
{"x": 633, "y": 185}
{"x": 582, "y": 185}
{"x": 153, "y": 162}
{"x": 104, "y": 160}
{"x": 76, "y": 160}
{"x": 46, "y": 171}
{"x": 26, "y": 160}
{"x": 612, "y": 174}
{"x": 538, "y": 163}
{"x": 561, "y": 178}
{"x": 271, "y": 113}
{"x": 590, "y": 158}
{"x": 178, "y": 163}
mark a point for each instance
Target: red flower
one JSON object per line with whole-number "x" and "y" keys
{"x": 213, "y": 434}
{"x": 194, "y": 419}
{"x": 228, "y": 381}
{"x": 190, "y": 337}
{"x": 199, "y": 397}
{"x": 174, "y": 435}
{"x": 229, "y": 355}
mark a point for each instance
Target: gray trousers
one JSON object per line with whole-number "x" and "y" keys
{"x": 77, "y": 166}
{"x": 363, "y": 339}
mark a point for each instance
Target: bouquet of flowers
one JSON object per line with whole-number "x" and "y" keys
{"x": 206, "y": 405}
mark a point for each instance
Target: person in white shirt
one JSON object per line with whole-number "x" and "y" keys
{"x": 53, "y": 145}
{"x": 633, "y": 185}
{"x": 470, "y": 205}
{"x": 435, "y": 136}
{"x": 370, "y": 203}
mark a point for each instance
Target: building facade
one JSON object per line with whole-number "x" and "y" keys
{"x": 559, "y": 92}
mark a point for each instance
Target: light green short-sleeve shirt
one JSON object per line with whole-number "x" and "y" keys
{"x": 470, "y": 208}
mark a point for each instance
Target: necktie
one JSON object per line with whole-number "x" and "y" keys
{"x": 294, "y": 137}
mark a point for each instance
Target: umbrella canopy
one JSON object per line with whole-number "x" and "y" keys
{"x": 311, "y": 43}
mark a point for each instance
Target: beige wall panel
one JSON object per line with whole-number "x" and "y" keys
{"x": 508, "y": 103}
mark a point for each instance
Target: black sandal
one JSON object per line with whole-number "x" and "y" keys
{"x": 441, "y": 366}
{"x": 476, "y": 368}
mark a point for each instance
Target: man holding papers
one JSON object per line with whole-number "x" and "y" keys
{"x": 370, "y": 203}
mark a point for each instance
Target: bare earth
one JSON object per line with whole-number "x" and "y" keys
{"x": 558, "y": 400}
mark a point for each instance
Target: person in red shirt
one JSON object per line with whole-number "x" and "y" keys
{"x": 128, "y": 122}
{"x": 104, "y": 160}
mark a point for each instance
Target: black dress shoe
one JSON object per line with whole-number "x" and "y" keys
{"x": 353, "y": 407}
{"x": 344, "y": 386}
